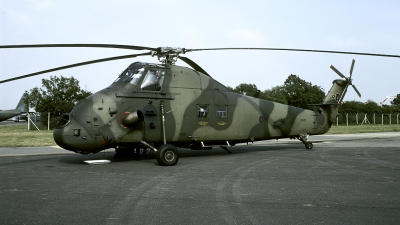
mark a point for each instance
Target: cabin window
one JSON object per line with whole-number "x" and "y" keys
{"x": 222, "y": 112}
{"x": 202, "y": 111}
{"x": 153, "y": 80}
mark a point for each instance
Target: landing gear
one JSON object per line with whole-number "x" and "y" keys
{"x": 309, "y": 145}
{"x": 303, "y": 138}
{"x": 167, "y": 155}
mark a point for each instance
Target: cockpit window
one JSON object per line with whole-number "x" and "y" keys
{"x": 128, "y": 73}
{"x": 153, "y": 80}
{"x": 136, "y": 76}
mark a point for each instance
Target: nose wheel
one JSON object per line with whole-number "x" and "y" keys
{"x": 303, "y": 138}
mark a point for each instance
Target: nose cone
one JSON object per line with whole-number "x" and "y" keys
{"x": 71, "y": 135}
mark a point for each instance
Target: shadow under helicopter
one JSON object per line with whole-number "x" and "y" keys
{"x": 149, "y": 156}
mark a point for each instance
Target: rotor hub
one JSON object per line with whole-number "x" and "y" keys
{"x": 168, "y": 55}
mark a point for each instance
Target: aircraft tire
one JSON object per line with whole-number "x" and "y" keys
{"x": 309, "y": 145}
{"x": 167, "y": 155}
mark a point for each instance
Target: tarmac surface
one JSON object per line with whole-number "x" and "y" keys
{"x": 344, "y": 179}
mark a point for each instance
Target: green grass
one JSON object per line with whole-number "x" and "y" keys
{"x": 19, "y": 136}
{"x": 365, "y": 128}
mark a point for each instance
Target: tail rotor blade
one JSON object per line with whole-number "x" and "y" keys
{"x": 347, "y": 79}
{"x": 351, "y": 68}
{"x": 337, "y": 71}
{"x": 342, "y": 95}
{"x": 359, "y": 95}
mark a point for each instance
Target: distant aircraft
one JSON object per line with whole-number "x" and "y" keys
{"x": 389, "y": 97}
{"x": 21, "y": 117}
{"x": 7, "y": 114}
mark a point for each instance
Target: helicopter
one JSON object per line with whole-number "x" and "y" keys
{"x": 164, "y": 106}
{"x": 20, "y": 109}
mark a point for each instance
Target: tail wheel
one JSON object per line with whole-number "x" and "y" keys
{"x": 167, "y": 155}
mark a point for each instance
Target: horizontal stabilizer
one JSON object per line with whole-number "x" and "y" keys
{"x": 323, "y": 104}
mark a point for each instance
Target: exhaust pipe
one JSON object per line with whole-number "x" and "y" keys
{"x": 131, "y": 119}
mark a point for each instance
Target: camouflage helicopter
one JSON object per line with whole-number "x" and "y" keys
{"x": 20, "y": 109}
{"x": 165, "y": 106}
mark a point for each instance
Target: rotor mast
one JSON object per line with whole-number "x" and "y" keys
{"x": 168, "y": 55}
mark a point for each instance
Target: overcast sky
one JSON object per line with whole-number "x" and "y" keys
{"x": 359, "y": 26}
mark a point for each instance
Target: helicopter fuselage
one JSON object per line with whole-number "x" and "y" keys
{"x": 197, "y": 110}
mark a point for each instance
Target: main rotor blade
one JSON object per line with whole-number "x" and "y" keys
{"x": 296, "y": 50}
{"x": 193, "y": 65}
{"x": 359, "y": 95}
{"x": 338, "y": 72}
{"x": 352, "y": 66}
{"x": 131, "y": 47}
{"x": 76, "y": 65}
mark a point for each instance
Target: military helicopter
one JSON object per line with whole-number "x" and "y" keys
{"x": 165, "y": 106}
{"x": 20, "y": 109}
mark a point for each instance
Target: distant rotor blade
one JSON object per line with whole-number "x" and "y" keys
{"x": 338, "y": 72}
{"x": 295, "y": 50}
{"x": 193, "y": 65}
{"x": 76, "y": 65}
{"x": 131, "y": 47}
{"x": 359, "y": 95}
{"x": 352, "y": 66}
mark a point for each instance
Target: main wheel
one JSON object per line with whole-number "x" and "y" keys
{"x": 167, "y": 155}
{"x": 309, "y": 145}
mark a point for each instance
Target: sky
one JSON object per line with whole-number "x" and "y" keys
{"x": 355, "y": 26}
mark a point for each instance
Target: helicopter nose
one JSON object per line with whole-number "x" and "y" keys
{"x": 71, "y": 135}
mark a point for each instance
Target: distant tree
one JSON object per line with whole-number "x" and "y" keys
{"x": 247, "y": 89}
{"x": 300, "y": 93}
{"x": 351, "y": 107}
{"x": 275, "y": 94}
{"x": 371, "y": 107}
{"x": 396, "y": 101}
{"x": 57, "y": 95}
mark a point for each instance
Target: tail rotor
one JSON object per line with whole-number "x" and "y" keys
{"x": 348, "y": 79}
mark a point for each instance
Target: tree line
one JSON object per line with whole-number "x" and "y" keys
{"x": 299, "y": 93}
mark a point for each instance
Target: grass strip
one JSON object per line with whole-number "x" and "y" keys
{"x": 19, "y": 136}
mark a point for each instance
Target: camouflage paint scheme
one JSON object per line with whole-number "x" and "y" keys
{"x": 7, "y": 114}
{"x": 101, "y": 121}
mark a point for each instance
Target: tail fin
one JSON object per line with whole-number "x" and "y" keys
{"x": 21, "y": 104}
{"x": 336, "y": 93}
